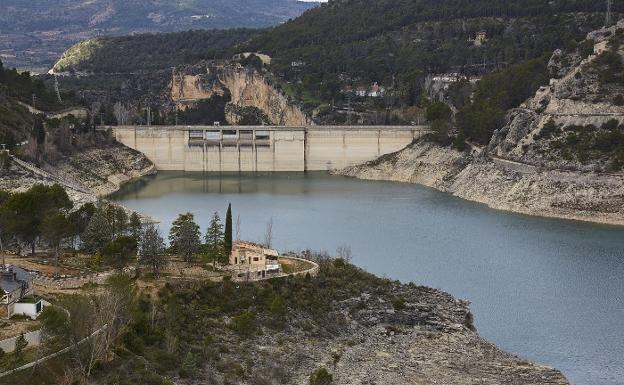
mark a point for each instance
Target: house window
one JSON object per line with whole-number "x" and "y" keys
{"x": 255, "y": 259}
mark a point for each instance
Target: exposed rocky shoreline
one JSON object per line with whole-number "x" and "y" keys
{"x": 503, "y": 185}
{"x": 86, "y": 176}
{"x": 367, "y": 331}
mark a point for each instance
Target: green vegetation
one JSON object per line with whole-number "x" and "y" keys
{"x": 609, "y": 66}
{"x": 585, "y": 143}
{"x": 321, "y": 377}
{"x": 215, "y": 241}
{"x": 227, "y": 236}
{"x": 184, "y": 237}
{"x": 152, "y": 247}
{"x": 196, "y": 330}
{"x": 16, "y": 122}
{"x": 27, "y": 216}
{"x": 397, "y": 43}
{"x": 498, "y": 92}
{"x": 205, "y": 112}
{"x": 321, "y": 57}
{"x": 151, "y": 51}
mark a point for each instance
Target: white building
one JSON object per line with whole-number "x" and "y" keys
{"x": 16, "y": 287}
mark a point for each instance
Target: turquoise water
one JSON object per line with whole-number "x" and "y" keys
{"x": 551, "y": 291}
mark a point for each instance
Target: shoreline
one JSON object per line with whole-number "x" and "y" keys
{"x": 551, "y": 194}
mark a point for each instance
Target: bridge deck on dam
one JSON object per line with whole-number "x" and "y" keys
{"x": 264, "y": 148}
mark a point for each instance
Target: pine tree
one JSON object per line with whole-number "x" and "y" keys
{"x": 152, "y": 249}
{"x": 227, "y": 240}
{"x": 184, "y": 236}
{"x": 98, "y": 233}
{"x": 214, "y": 239}
{"x": 135, "y": 227}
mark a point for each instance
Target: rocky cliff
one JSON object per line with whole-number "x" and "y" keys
{"x": 574, "y": 123}
{"x": 247, "y": 88}
{"x": 559, "y": 154}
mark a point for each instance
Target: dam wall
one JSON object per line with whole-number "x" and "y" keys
{"x": 264, "y": 148}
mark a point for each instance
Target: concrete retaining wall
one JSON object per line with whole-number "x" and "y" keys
{"x": 263, "y": 148}
{"x": 33, "y": 339}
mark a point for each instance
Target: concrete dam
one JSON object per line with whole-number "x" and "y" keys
{"x": 264, "y": 148}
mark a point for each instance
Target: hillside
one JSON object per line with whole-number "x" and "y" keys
{"x": 559, "y": 154}
{"x": 17, "y": 92}
{"x": 34, "y": 34}
{"x": 149, "y": 52}
{"x": 331, "y": 59}
{"x": 348, "y": 325}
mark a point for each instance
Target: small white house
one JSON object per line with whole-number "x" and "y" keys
{"x": 18, "y": 296}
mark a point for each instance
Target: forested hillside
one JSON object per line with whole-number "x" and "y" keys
{"x": 397, "y": 43}
{"x": 16, "y": 121}
{"x": 151, "y": 51}
{"x": 35, "y": 33}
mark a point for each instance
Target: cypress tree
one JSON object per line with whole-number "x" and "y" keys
{"x": 227, "y": 240}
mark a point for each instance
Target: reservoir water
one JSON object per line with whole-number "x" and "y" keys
{"x": 547, "y": 290}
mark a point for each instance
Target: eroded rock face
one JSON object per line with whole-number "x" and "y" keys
{"x": 503, "y": 184}
{"x": 88, "y": 174}
{"x": 247, "y": 89}
{"x": 543, "y": 132}
{"x": 250, "y": 89}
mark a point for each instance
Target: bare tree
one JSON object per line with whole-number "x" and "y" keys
{"x": 91, "y": 325}
{"x": 94, "y": 110}
{"x": 344, "y": 252}
{"x": 268, "y": 234}
{"x": 238, "y": 227}
{"x": 121, "y": 113}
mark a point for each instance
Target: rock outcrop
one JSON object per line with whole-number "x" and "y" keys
{"x": 247, "y": 88}
{"x": 384, "y": 333}
{"x": 86, "y": 175}
{"x": 503, "y": 184}
{"x": 554, "y": 155}
{"x": 544, "y": 130}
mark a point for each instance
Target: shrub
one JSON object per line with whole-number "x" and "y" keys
{"x": 244, "y": 323}
{"x": 189, "y": 366}
{"x": 321, "y": 377}
{"x": 398, "y": 304}
{"x": 277, "y": 307}
{"x": 548, "y": 130}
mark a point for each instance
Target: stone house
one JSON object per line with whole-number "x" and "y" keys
{"x": 253, "y": 259}
{"x": 16, "y": 287}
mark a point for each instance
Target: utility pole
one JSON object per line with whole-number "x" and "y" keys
{"x": 608, "y": 17}
{"x": 348, "y": 109}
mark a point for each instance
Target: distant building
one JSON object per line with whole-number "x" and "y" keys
{"x": 480, "y": 38}
{"x": 16, "y": 287}
{"x": 360, "y": 91}
{"x": 255, "y": 260}
{"x": 453, "y": 132}
{"x": 297, "y": 64}
{"x": 376, "y": 91}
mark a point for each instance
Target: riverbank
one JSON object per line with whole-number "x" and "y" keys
{"x": 360, "y": 328}
{"x": 502, "y": 185}
{"x": 86, "y": 176}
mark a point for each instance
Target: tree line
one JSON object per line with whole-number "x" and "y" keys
{"x": 45, "y": 216}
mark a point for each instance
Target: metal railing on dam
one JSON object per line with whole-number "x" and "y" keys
{"x": 264, "y": 148}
